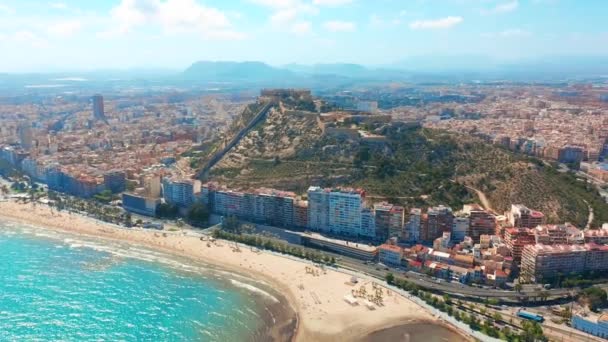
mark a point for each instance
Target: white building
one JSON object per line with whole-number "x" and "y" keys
{"x": 412, "y": 227}
{"x": 345, "y": 211}
{"x": 460, "y": 226}
{"x": 180, "y": 192}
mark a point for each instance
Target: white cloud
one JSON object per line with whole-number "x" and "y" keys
{"x": 64, "y": 28}
{"x": 173, "y": 16}
{"x": 378, "y": 22}
{"x": 277, "y": 4}
{"x": 7, "y": 9}
{"x": 59, "y": 5}
{"x": 284, "y": 16}
{"x": 302, "y": 28}
{"x": 442, "y": 23}
{"x": 287, "y": 15}
{"x": 331, "y": 2}
{"x": 339, "y": 26}
{"x": 28, "y": 38}
{"x": 505, "y": 7}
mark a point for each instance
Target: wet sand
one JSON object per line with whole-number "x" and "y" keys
{"x": 416, "y": 332}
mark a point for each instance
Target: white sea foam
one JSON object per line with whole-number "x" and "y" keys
{"x": 254, "y": 289}
{"x": 207, "y": 332}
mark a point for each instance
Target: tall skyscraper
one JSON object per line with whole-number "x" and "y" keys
{"x": 98, "y": 112}
{"x": 26, "y": 137}
{"x": 412, "y": 227}
{"x": 345, "y": 211}
{"x": 318, "y": 209}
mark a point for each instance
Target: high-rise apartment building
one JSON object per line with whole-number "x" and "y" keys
{"x": 318, "y": 209}
{"x": 551, "y": 234}
{"x": 98, "y": 108}
{"x": 543, "y": 262}
{"x": 368, "y": 223}
{"x": 300, "y": 214}
{"x": 460, "y": 228}
{"x": 180, "y": 192}
{"x": 345, "y": 211}
{"x": 152, "y": 186}
{"x": 516, "y": 239}
{"x": 439, "y": 220}
{"x": 115, "y": 181}
{"x": 389, "y": 220}
{"x": 26, "y": 136}
{"x": 412, "y": 227}
{"x": 521, "y": 216}
{"x": 481, "y": 222}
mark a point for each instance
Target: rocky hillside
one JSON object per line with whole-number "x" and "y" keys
{"x": 279, "y": 137}
{"x": 416, "y": 167}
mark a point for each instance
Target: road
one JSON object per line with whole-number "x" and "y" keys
{"x": 426, "y": 282}
{"x": 590, "y": 219}
{"x": 261, "y": 115}
{"x": 483, "y": 199}
{"x": 454, "y": 288}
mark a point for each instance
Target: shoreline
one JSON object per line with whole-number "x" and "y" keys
{"x": 319, "y": 311}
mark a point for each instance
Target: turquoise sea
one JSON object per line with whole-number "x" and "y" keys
{"x": 62, "y": 287}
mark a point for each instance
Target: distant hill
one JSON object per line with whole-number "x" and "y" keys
{"x": 485, "y": 67}
{"x": 341, "y": 69}
{"x": 296, "y": 75}
{"x": 235, "y": 71}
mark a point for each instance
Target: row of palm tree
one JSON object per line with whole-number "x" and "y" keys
{"x": 90, "y": 207}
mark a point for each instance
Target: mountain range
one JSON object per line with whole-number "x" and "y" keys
{"x": 444, "y": 69}
{"x": 411, "y": 69}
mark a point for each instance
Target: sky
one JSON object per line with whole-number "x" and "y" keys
{"x": 172, "y": 34}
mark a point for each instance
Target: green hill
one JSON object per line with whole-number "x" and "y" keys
{"x": 416, "y": 167}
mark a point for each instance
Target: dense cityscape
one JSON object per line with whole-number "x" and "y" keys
{"x": 105, "y": 151}
{"x": 304, "y": 170}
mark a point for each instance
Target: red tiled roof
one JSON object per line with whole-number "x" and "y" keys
{"x": 392, "y": 248}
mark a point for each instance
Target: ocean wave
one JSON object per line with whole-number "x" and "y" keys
{"x": 254, "y": 289}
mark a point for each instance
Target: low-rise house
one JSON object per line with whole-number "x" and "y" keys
{"x": 390, "y": 254}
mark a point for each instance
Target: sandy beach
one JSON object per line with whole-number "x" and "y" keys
{"x": 318, "y": 299}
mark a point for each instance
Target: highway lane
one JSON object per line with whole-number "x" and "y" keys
{"x": 456, "y": 288}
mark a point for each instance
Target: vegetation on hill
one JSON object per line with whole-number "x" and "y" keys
{"x": 417, "y": 167}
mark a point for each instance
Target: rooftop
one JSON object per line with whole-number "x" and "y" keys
{"x": 392, "y": 248}
{"x": 360, "y": 246}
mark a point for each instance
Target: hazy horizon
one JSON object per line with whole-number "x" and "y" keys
{"x": 172, "y": 34}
